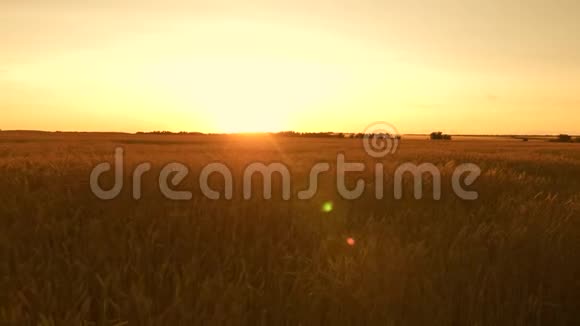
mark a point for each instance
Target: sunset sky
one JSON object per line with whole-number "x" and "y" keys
{"x": 472, "y": 67}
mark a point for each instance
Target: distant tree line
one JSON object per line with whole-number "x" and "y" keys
{"x": 291, "y": 134}
{"x": 379, "y": 136}
{"x": 436, "y": 135}
{"x": 308, "y": 134}
{"x": 168, "y": 133}
{"x": 333, "y": 135}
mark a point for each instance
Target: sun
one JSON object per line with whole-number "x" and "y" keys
{"x": 249, "y": 95}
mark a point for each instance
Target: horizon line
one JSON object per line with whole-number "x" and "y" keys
{"x": 199, "y": 133}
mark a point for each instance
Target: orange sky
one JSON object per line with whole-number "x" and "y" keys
{"x": 216, "y": 66}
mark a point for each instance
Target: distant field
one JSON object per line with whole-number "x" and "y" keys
{"x": 511, "y": 257}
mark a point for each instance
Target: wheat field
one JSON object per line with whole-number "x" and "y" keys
{"x": 511, "y": 257}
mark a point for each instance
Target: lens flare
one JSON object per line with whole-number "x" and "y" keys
{"x": 327, "y": 207}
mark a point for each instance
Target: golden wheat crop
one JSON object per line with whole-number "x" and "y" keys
{"x": 512, "y": 257}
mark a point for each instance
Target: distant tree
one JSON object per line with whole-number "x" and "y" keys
{"x": 564, "y": 138}
{"x": 438, "y": 135}
{"x": 524, "y": 139}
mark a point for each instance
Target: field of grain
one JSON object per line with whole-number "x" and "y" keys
{"x": 511, "y": 257}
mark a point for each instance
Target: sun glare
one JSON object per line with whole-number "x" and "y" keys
{"x": 248, "y": 95}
